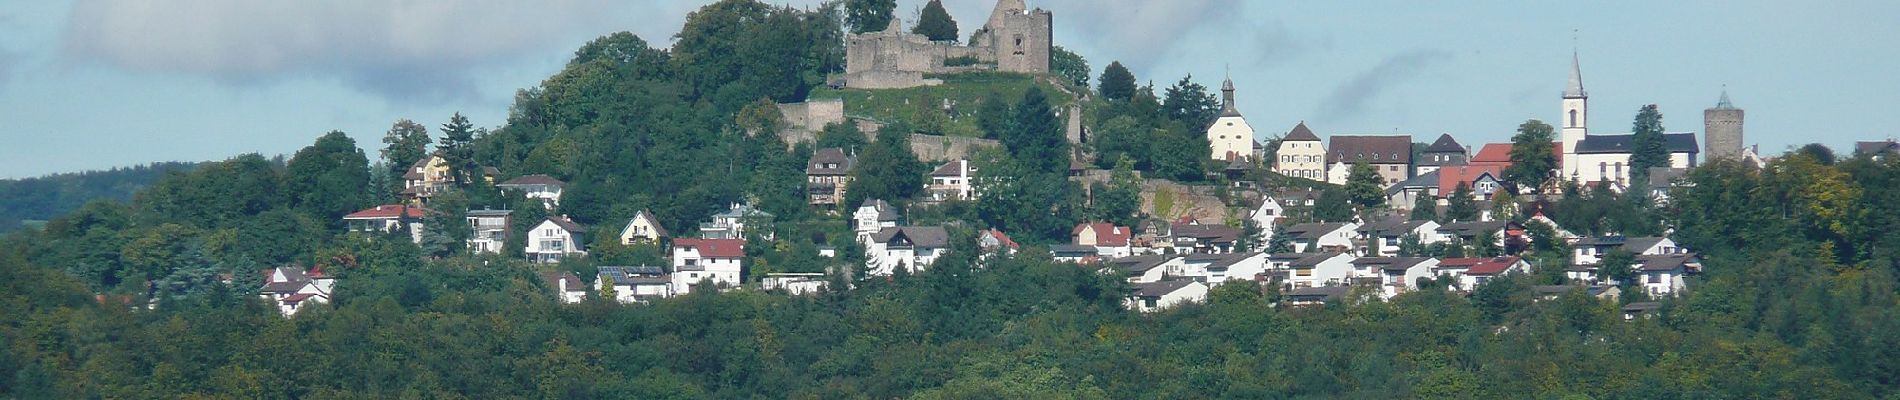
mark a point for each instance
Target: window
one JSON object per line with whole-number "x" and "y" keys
{"x": 1573, "y": 118}
{"x": 1603, "y": 169}
{"x": 1148, "y": 302}
{"x": 1619, "y": 170}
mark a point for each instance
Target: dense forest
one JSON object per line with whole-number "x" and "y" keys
{"x": 126, "y": 299}
{"x": 39, "y": 199}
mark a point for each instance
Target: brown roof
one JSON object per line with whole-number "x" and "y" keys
{"x": 952, "y": 168}
{"x": 1158, "y": 289}
{"x": 569, "y": 225}
{"x": 1214, "y": 233}
{"x": 1301, "y": 133}
{"x": 829, "y": 155}
{"x": 713, "y": 248}
{"x": 388, "y": 211}
{"x": 1371, "y": 149}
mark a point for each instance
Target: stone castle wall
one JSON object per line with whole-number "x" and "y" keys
{"x": 1015, "y": 39}
{"x": 946, "y": 148}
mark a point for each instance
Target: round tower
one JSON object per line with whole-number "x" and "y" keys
{"x": 1722, "y": 130}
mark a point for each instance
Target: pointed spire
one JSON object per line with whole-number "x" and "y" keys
{"x": 1723, "y": 103}
{"x": 1575, "y": 89}
{"x": 1227, "y": 99}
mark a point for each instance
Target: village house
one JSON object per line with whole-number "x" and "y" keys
{"x": 910, "y": 247}
{"x": 1397, "y": 275}
{"x": 827, "y": 176}
{"x": 873, "y": 216}
{"x": 1391, "y": 155}
{"x": 568, "y": 288}
{"x": 1471, "y": 272}
{"x": 389, "y": 218}
{"x": 1301, "y": 154}
{"x": 1209, "y": 239}
{"x": 1403, "y": 195}
{"x": 1316, "y": 296}
{"x": 794, "y": 283}
{"x": 1313, "y": 269}
{"x": 1663, "y": 274}
{"x": 539, "y": 187}
{"x": 1157, "y": 296}
{"x": 1385, "y": 236}
{"x": 1267, "y": 216}
{"x": 951, "y": 182}
{"x": 1590, "y": 250}
{"x": 642, "y": 228}
{"x": 1108, "y": 239}
{"x": 1470, "y": 231}
{"x": 1442, "y": 152}
{"x": 1144, "y": 268}
{"x": 993, "y": 242}
{"x": 293, "y": 288}
{"x": 1237, "y": 266}
{"x": 736, "y": 222}
{"x": 720, "y": 261}
{"x": 1074, "y": 253}
{"x": 637, "y": 284}
{"x": 555, "y": 238}
{"x": 1646, "y": 309}
{"x": 488, "y": 230}
{"x": 1322, "y": 236}
{"x": 430, "y": 175}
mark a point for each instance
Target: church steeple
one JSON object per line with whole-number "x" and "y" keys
{"x": 1575, "y": 89}
{"x": 1227, "y": 99}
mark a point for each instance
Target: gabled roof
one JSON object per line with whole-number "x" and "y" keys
{"x": 1107, "y": 234}
{"x": 1394, "y": 227}
{"x": 1313, "y": 259}
{"x": 1300, "y": 133}
{"x": 1422, "y": 181}
{"x": 828, "y": 155}
{"x": 389, "y": 211}
{"x": 533, "y": 180}
{"x": 920, "y": 236}
{"x": 628, "y": 276}
{"x": 1500, "y": 153}
{"x": 1389, "y": 263}
{"x": 1665, "y": 177}
{"x": 1491, "y": 266}
{"x": 712, "y": 248}
{"x": 574, "y": 284}
{"x": 1472, "y": 228}
{"x": 741, "y": 210}
{"x": 1320, "y": 293}
{"x": 1450, "y": 176}
{"x": 1213, "y": 233}
{"x": 1679, "y": 142}
{"x": 489, "y": 213}
{"x": 644, "y": 215}
{"x": 950, "y": 169}
{"x": 1001, "y": 238}
{"x": 1664, "y": 262}
{"x": 1313, "y": 230}
{"x": 1137, "y": 265}
{"x": 1071, "y": 249}
{"x": 1228, "y": 260}
{"x": 1636, "y": 244}
{"x": 1380, "y": 149}
{"x": 1445, "y": 144}
{"x": 567, "y": 224}
{"x": 1876, "y": 147}
{"x": 883, "y": 210}
{"x": 1162, "y": 288}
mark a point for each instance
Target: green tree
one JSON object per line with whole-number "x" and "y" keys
{"x": 868, "y": 15}
{"x": 1503, "y": 206}
{"x": 844, "y": 135}
{"x": 935, "y": 23}
{"x": 406, "y": 142}
{"x": 1334, "y": 205}
{"x": 1459, "y": 207}
{"x": 1070, "y": 66}
{"x": 1364, "y": 187}
{"x": 992, "y": 116}
{"x": 1119, "y": 201}
{"x": 1819, "y": 152}
{"x": 1034, "y": 136}
{"x": 1280, "y": 243}
{"x": 445, "y": 229}
{"x": 1119, "y": 138}
{"x": 1424, "y": 208}
{"x": 1648, "y": 148}
{"x": 456, "y": 147}
{"x": 1486, "y": 244}
{"x": 329, "y": 178}
{"x": 1178, "y": 155}
{"x": 887, "y": 169}
{"x": 1190, "y": 104}
{"x": 1531, "y": 158}
{"x": 1117, "y": 83}
{"x": 1617, "y": 266}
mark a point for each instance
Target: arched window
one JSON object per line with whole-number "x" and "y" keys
{"x": 1619, "y": 171}
{"x": 1603, "y": 169}
{"x": 1573, "y": 118}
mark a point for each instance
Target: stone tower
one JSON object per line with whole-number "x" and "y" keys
{"x": 1575, "y": 119}
{"x": 1722, "y": 127}
{"x": 1018, "y": 37}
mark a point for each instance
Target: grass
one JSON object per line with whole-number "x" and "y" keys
{"x": 923, "y": 106}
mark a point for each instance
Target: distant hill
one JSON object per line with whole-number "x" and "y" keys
{"x": 30, "y": 201}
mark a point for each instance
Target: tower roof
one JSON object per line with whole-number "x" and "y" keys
{"x": 1575, "y": 89}
{"x": 1227, "y": 99}
{"x": 1723, "y": 103}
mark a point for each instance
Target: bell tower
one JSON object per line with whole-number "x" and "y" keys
{"x": 1575, "y": 119}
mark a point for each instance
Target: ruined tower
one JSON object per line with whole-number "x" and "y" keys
{"x": 1722, "y": 129}
{"x": 1018, "y": 38}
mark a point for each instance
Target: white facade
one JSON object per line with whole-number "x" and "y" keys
{"x": 1267, "y": 216}
{"x": 1340, "y": 238}
{"x": 1301, "y": 155}
{"x": 1394, "y": 281}
{"x": 717, "y": 260}
{"x": 488, "y": 230}
{"x": 1319, "y": 270}
{"x": 794, "y": 283}
{"x": 1615, "y": 167}
{"x": 550, "y": 242}
{"x": 951, "y": 181}
{"x": 1189, "y": 292}
{"x": 912, "y": 247}
{"x": 1231, "y": 138}
{"x": 1242, "y": 267}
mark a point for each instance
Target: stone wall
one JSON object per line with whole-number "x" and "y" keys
{"x": 812, "y": 115}
{"x": 1722, "y": 130}
{"x": 1198, "y": 201}
{"x": 946, "y": 148}
{"x": 1015, "y": 39}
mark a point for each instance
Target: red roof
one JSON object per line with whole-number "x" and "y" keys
{"x": 388, "y": 211}
{"x": 1490, "y": 266}
{"x": 1106, "y": 234}
{"x": 713, "y": 248}
{"x": 1001, "y": 238}
{"x": 1451, "y": 175}
{"x": 1500, "y": 154}
{"x": 1459, "y": 262}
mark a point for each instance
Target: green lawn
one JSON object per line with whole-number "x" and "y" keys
{"x": 924, "y": 106}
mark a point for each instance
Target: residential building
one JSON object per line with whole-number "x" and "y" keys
{"x": 1442, "y": 152}
{"x": 1322, "y": 236}
{"x": 738, "y": 221}
{"x": 1230, "y": 137}
{"x": 1143, "y": 268}
{"x": 1249, "y": 267}
{"x": 1397, "y": 275}
{"x": 539, "y": 187}
{"x": 1200, "y": 238}
{"x": 911, "y": 247}
{"x": 1590, "y": 251}
{"x": 1301, "y": 154}
{"x": 568, "y": 288}
{"x": 1391, "y": 155}
{"x": 1876, "y": 149}
{"x": 1386, "y": 236}
{"x": 1267, "y": 216}
{"x": 1313, "y": 269}
{"x": 1663, "y": 274}
{"x": 637, "y": 284}
{"x": 1404, "y": 195}
{"x": 1074, "y": 253}
{"x": 642, "y": 228}
{"x": 873, "y": 216}
{"x": 1316, "y": 296}
{"x": 993, "y": 242}
{"x": 1157, "y": 296}
{"x": 293, "y": 288}
{"x": 827, "y": 176}
{"x": 488, "y": 230}
{"x": 1449, "y": 177}
{"x": 1109, "y": 240}
{"x": 1645, "y": 310}
{"x": 951, "y": 181}
{"x": 720, "y": 261}
{"x": 424, "y": 178}
{"x": 794, "y": 283}
{"x": 389, "y": 218}
{"x": 555, "y": 238}
{"x": 1471, "y": 272}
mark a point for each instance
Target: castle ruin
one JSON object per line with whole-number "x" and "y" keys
{"x": 1015, "y": 39}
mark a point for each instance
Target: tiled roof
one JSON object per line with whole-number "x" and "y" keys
{"x": 569, "y": 225}
{"x": 828, "y": 155}
{"x": 950, "y": 169}
{"x": 920, "y": 236}
{"x": 1490, "y": 266}
{"x": 1596, "y": 144}
{"x": 1312, "y": 230}
{"x": 1071, "y": 249}
{"x": 712, "y": 248}
{"x": 1107, "y": 234}
{"x": 1472, "y": 228}
{"x": 655, "y": 222}
{"x": 1300, "y": 133}
{"x": 1445, "y": 144}
{"x": 1317, "y": 293}
{"x": 1391, "y": 227}
{"x": 1450, "y": 176}
{"x": 1139, "y": 264}
{"x": 388, "y": 211}
{"x": 1876, "y": 147}
{"x": 1663, "y": 262}
{"x": 1313, "y": 259}
{"x": 1214, "y": 233}
{"x": 1385, "y": 149}
{"x": 574, "y": 283}
{"x": 1389, "y": 263}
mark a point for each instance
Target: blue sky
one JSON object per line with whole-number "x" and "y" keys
{"x": 88, "y": 84}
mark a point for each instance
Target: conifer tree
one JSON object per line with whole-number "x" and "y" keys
{"x": 1117, "y": 83}
{"x": 935, "y": 23}
{"x": 1648, "y": 147}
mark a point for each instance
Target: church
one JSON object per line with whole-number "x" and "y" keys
{"x": 1605, "y": 157}
{"x": 1230, "y": 138}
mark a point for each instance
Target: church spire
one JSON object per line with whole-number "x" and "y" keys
{"x": 1227, "y": 99}
{"x": 1575, "y": 89}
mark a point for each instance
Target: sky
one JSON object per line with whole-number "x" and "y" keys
{"x": 94, "y": 84}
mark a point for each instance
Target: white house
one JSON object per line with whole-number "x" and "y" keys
{"x": 1145, "y": 268}
{"x": 1156, "y": 296}
{"x": 720, "y": 261}
{"x": 1267, "y": 216}
{"x": 568, "y": 287}
{"x": 1230, "y": 138}
{"x": 389, "y": 218}
{"x": 1397, "y": 274}
{"x": 555, "y": 238}
{"x": 1204, "y": 238}
{"x": 539, "y": 187}
{"x": 912, "y": 247}
{"x": 951, "y": 181}
{"x": 1315, "y": 296}
{"x": 643, "y": 228}
{"x": 1109, "y": 240}
{"x": 1387, "y": 235}
{"x": 1592, "y": 157}
{"x": 1238, "y": 266}
{"x": 1471, "y": 272}
{"x": 1301, "y": 154}
{"x": 1590, "y": 251}
{"x": 794, "y": 282}
{"x": 488, "y": 230}
{"x": 1313, "y": 269}
{"x": 736, "y": 222}
{"x": 1322, "y": 236}
{"x": 1074, "y": 253}
{"x": 293, "y": 288}
{"x": 873, "y": 216}
{"x": 1662, "y": 274}
{"x": 637, "y": 284}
